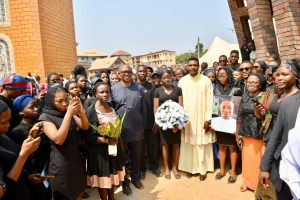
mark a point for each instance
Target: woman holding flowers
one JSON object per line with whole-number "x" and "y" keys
{"x": 171, "y": 136}
{"x": 104, "y": 170}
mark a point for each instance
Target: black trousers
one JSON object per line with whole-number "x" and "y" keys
{"x": 135, "y": 149}
{"x": 150, "y": 150}
{"x": 284, "y": 193}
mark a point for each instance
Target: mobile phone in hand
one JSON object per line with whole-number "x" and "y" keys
{"x": 47, "y": 177}
{"x": 255, "y": 101}
{"x": 39, "y": 132}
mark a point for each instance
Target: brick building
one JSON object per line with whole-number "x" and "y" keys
{"x": 275, "y": 25}
{"x": 37, "y": 36}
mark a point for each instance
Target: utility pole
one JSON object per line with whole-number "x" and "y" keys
{"x": 198, "y": 48}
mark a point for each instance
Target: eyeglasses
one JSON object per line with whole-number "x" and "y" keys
{"x": 244, "y": 69}
{"x": 125, "y": 72}
{"x": 252, "y": 83}
{"x": 255, "y": 66}
{"x": 222, "y": 60}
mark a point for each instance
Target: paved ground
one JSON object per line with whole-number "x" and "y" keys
{"x": 183, "y": 189}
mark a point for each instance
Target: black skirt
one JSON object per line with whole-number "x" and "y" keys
{"x": 226, "y": 138}
{"x": 168, "y": 137}
{"x": 104, "y": 170}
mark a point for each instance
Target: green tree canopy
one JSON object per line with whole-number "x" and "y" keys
{"x": 182, "y": 58}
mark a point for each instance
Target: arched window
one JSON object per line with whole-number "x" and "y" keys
{"x": 6, "y": 56}
{"x": 4, "y": 13}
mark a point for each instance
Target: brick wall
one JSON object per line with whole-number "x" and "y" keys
{"x": 287, "y": 18}
{"x": 24, "y": 34}
{"x": 240, "y": 18}
{"x": 261, "y": 12}
{"x": 42, "y": 35}
{"x": 58, "y": 35}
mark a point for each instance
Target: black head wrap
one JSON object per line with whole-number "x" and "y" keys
{"x": 3, "y": 107}
{"x": 49, "y": 101}
{"x": 262, "y": 80}
{"x": 292, "y": 67}
{"x": 220, "y": 87}
{"x": 207, "y": 71}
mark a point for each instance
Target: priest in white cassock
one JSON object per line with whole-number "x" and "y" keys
{"x": 196, "y": 150}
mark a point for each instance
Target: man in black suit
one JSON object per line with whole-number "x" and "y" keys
{"x": 271, "y": 159}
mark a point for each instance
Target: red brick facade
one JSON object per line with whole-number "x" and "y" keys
{"x": 42, "y": 36}
{"x": 285, "y": 30}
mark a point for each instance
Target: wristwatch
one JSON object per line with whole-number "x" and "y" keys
{"x": 3, "y": 187}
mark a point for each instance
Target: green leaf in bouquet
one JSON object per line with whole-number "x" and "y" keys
{"x": 95, "y": 128}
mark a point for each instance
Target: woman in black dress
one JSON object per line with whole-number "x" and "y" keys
{"x": 13, "y": 158}
{"x": 104, "y": 170}
{"x": 60, "y": 122}
{"x": 225, "y": 86}
{"x": 168, "y": 92}
{"x": 28, "y": 108}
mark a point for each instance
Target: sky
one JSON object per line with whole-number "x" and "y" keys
{"x": 144, "y": 26}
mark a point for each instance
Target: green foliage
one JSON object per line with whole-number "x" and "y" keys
{"x": 182, "y": 58}
{"x": 112, "y": 130}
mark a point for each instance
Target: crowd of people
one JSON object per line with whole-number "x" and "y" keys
{"x": 48, "y": 149}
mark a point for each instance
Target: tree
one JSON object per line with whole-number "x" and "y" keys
{"x": 182, "y": 58}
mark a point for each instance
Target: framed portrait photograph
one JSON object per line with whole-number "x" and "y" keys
{"x": 225, "y": 111}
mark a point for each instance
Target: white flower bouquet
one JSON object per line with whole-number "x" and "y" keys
{"x": 170, "y": 115}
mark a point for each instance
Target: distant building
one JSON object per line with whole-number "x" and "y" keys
{"x": 125, "y": 56}
{"x": 87, "y": 57}
{"x": 106, "y": 64}
{"x": 156, "y": 59}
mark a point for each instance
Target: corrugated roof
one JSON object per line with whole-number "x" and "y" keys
{"x": 91, "y": 53}
{"x": 120, "y": 53}
{"x": 104, "y": 63}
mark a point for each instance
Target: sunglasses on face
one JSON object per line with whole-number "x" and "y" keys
{"x": 244, "y": 69}
{"x": 255, "y": 66}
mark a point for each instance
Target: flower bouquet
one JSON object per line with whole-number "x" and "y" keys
{"x": 170, "y": 115}
{"x": 111, "y": 130}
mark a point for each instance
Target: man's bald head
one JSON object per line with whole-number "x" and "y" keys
{"x": 125, "y": 73}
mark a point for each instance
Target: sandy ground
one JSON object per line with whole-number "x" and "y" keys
{"x": 183, "y": 189}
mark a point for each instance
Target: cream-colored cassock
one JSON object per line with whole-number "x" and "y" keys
{"x": 196, "y": 151}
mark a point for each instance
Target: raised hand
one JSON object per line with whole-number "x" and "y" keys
{"x": 29, "y": 146}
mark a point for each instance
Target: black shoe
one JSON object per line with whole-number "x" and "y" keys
{"x": 126, "y": 189}
{"x": 143, "y": 175}
{"x": 156, "y": 172}
{"x": 138, "y": 184}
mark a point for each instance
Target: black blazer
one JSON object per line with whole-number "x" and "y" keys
{"x": 286, "y": 120}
